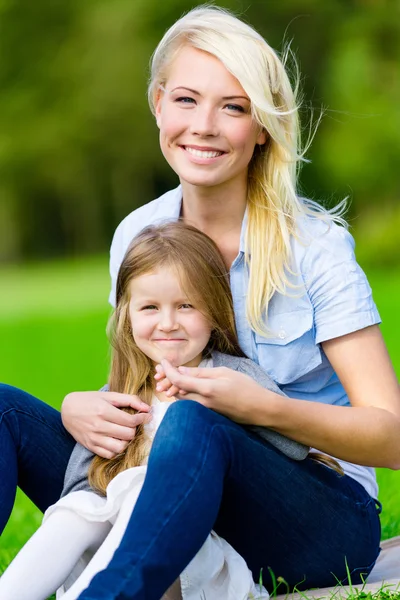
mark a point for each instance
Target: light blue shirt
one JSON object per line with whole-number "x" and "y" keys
{"x": 331, "y": 298}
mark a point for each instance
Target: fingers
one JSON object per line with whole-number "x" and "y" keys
{"x": 164, "y": 385}
{"x": 173, "y": 391}
{"x": 202, "y": 372}
{"x": 159, "y": 373}
{"x": 122, "y": 400}
{"x": 114, "y": 439}
{"x": 199, "y": 372}
{"x": 115, "y": 416}
{"x": 108, "y": 447}
{"x": 186, "y": 383}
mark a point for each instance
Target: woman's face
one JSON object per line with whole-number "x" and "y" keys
{"x": 207, "y": 133}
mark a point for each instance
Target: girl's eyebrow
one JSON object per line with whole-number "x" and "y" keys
{"x": 181, "y": 87}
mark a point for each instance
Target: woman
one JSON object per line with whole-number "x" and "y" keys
{"x": 229, "y": 128}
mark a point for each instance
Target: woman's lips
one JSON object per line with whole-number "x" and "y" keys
{"x": 202, "y": 155}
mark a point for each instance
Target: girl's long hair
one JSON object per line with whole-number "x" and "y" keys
{"x": 204, "y": 278}
{"x": 274, "y": 207}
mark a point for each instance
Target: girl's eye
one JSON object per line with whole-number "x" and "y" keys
{"x": 149, "y": 307}
{"x": 186, "y": 306}
{"x": 185, "y": 100}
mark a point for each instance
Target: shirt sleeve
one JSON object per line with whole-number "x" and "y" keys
{"x": 337, "y": 286}
{"x": 76, "y": 475}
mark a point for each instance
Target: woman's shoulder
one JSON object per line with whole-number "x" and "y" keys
{"x": 320, "y": 243}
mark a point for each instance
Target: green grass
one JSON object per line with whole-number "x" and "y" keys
{"x": 52, "y": 328}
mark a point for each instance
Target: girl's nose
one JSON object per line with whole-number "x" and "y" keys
{"x": 168, "y": 321}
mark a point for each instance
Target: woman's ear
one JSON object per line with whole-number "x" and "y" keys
{"x": 158, "y": 102}
{"x": 262, "y": 137}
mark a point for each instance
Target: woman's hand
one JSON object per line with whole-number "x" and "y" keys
{"x": 95, "y": 420}
{"x": 228, "y": 392}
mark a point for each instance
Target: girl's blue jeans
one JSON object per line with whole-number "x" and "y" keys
{"x": 300, "y": 519}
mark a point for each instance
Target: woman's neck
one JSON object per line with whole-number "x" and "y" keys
{"x": 218, "y": 212}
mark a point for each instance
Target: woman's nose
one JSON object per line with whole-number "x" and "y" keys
{"x": 204, "y": 122}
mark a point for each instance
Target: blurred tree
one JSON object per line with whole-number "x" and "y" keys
{"x": 78, "y": 145}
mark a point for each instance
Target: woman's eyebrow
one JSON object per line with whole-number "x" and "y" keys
{"x": 181, "y": 87}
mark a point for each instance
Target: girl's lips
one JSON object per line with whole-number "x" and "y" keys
{"x": 176, "y": 340}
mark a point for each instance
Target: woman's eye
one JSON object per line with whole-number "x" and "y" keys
{"x": 235, "y": 108}
{"x": 185, "y": 100}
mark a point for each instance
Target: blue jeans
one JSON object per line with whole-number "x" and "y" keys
{"x": 205, "y": 472}
{"x": 34, "y": 450}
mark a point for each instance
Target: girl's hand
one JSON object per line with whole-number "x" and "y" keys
{"x": 228, "y": 392}
{"x": 95, "y": 421}
{"x": 163, "y": 383}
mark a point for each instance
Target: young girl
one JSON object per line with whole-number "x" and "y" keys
{"x": 229, "y": 128}
{"x": 173, "y": 304}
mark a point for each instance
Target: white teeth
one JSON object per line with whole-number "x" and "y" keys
{"x": 202, "y": 153}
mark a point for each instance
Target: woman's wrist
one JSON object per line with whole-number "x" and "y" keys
{"x": 267, "y": 407}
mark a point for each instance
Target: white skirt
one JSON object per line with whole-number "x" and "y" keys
{"x": 217, "y": 572}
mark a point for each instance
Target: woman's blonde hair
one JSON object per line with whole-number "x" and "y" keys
{"x": 274, "y": 207}
{"x": 204, "y": 278}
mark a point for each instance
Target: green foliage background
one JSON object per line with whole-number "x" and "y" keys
{"x": 78, "y": 146}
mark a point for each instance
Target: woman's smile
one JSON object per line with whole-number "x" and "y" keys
{"x": 202, "y": 153}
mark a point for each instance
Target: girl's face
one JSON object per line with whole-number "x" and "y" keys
{"x": 164, "y": 323}
{"x": 207, "y": 133}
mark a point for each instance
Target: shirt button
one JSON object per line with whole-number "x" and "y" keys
{"x": 282, "y": 334}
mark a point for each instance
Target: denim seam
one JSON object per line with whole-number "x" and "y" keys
{"x": 17, "y": 410}
{"x": 130, "y": 571}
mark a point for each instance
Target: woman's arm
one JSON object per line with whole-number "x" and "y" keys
{"x": 368, "y": 433}
{"x": 95, "y": 421}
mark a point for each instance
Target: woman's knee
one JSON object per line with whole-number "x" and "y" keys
{"x": 189, "y": 434}
{"x": 191, "y": 429}
{"x": 185, "y": 415}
